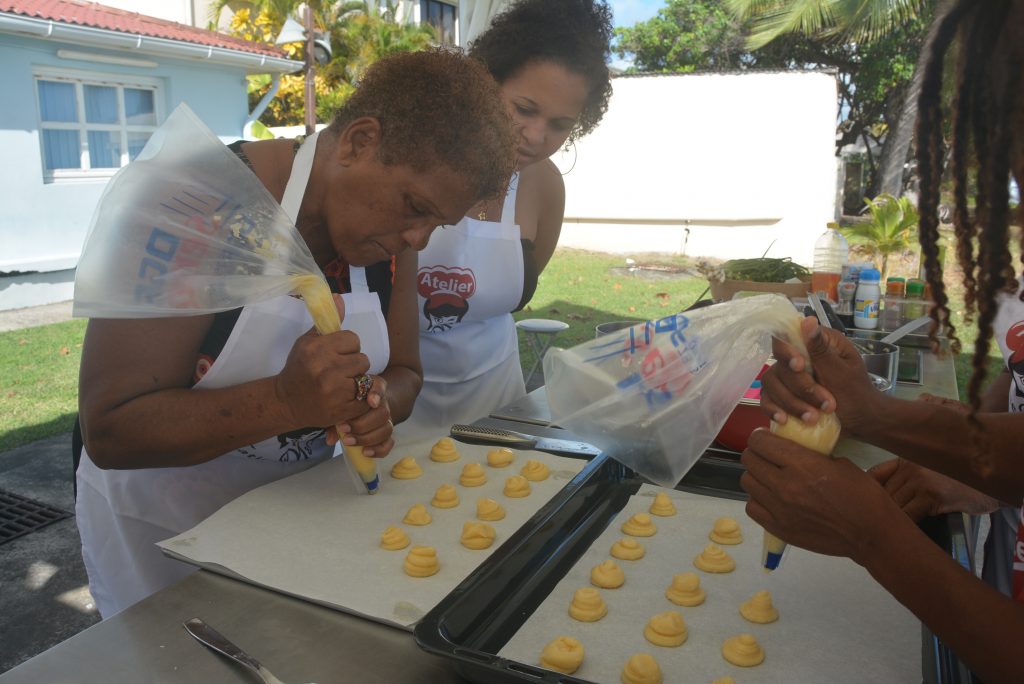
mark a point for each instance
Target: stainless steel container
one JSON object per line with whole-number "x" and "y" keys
{"x": 881, "y": 359}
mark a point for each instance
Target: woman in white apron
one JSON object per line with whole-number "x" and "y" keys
{"x": 550, "y": 60}
{"x": 171, "y": 433}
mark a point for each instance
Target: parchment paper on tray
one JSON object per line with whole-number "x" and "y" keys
{"x": 836, "y": 623}
{"x": 313, "y": 536}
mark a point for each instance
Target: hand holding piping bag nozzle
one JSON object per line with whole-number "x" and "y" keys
{"x": 820, "y": 437}
{"x": 187, "y": 229}
{"x": 317, "y": 297}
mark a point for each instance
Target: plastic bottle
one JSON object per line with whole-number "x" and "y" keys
{"x": 865, "y": 306}
{"x": 914, "y": 306}
{"x": 847, "y": 292}
{"x": 831, "y": 253}
{"x": 892, "y": 311}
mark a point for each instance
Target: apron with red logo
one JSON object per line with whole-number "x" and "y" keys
{"x": 122, "y": 514}
{"x": 470, "y": 278}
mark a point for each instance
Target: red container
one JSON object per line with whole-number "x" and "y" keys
{"x": 745, "y": 418}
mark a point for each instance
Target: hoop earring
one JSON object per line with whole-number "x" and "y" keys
{"x": 575, "y": 155}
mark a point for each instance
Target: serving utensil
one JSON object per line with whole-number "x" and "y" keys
{"x": 216, "y": 641}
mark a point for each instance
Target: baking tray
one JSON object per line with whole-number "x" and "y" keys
{"x": 482, "y": 614}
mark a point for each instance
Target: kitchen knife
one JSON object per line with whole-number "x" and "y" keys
{"x": 518, "y": 440}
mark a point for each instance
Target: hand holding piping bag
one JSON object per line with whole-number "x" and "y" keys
{"x": 820, "y": 436}
{"x": 318, "y": 299}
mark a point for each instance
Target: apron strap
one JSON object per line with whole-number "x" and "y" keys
{"x": 508, "y": 209}
{"x": 357, "y": 279}
{"x": 301, "y": 168}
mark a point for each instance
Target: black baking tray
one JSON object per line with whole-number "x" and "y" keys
{"x": 472, "y": 624}
{"x": 507, "y": 587}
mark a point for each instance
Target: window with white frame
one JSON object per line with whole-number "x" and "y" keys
{"x": 440, "y": 15}
{"x": 90, "y": 125}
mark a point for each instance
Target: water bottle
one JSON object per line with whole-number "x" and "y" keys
{"x": 865, "y": 304}
{"x": 830, "y": 256}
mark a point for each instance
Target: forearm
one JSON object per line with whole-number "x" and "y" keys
{"x": 942, "y": 439}
{"x": 404, "y": 386}
{"x": 182, "y": 427}
{"x": 982, "y": 626}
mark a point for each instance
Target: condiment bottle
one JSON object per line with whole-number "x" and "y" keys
{"x": 865, "y": 304}
{"x": 914, "y": 307}
{"x": 831, "y": 253}
{"x": 892, "y": 313}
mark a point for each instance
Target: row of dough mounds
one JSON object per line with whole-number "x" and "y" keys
{"x": 667, "y": 629}
{"x": 422, "y": 561}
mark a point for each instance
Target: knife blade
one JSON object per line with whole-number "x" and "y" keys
{"x": 518, "y": 440}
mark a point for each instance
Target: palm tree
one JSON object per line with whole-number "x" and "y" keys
{"x": 892, "y": 229}
{"x": 856, "y": 21}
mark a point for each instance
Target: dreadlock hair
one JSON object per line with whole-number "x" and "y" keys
{"x": 575, "y": 34}
{"x": 991, "y": 54}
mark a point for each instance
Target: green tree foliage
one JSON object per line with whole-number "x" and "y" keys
{"x": 891, "y": 229}
{"x": 361, "y": 32}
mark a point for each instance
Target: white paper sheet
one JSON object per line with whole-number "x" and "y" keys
{"x": 311, "y": 536}
{"x": 836, "y": 624}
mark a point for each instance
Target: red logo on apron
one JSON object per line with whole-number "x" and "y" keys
{"x": 1018, "y": 561}
{"x": 447, "y": 291}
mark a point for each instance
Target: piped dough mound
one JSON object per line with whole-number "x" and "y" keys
{"x": 417, "y": 515}
{"x": 406, "y": 469}
{"x": 666, "y": 629}
{"x": 726, "y": 531}
{"x": 587, "y": 605}
{"x": 563, "y": 654}
{"x": 628, "y": 548}
{"x": 501, "y": 457}
{"x": 724, "y": 680}
{"x": 535, "y": 471}
{"x": 444, "y": 451}
{"x": 421, "y": 561}
{"x": 607, "y": 575}
{"x": 759, "y": 609}
{"x": 477, "y": 535}
{"x": 516, "y": 487}
{"x": 714, "y": 559}
{"x": 394, "y": 538}
{"x": 445, "y": 497}
{"x": 662, "y": 505}
{"x": 685, "y": 590}
{"x": 743, "y": 650}
{"x": 489, "y": 510}
{"x": 639, "y": 525}
{"x": 641, "y": 668}
{"x": 473, "y": 475}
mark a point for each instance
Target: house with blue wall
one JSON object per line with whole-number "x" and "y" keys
{"x": 85, "y": 86}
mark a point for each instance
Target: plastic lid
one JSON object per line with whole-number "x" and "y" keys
{"x": 915, "y": 288}
{"x": 895, "y": 279}
{"x": 871, "y": 275}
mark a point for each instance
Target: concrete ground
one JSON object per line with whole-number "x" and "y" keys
{"x": 44, "y": 595}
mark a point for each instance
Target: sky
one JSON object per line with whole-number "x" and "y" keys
{"x": 629, "y": 12}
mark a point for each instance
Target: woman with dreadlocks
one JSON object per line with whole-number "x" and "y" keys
{"x": 831, "y": 506}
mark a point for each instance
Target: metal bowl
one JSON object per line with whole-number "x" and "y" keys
{"x": 881, "y": 359}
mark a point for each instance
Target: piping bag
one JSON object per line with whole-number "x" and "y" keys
{"x": 188, "y": 229}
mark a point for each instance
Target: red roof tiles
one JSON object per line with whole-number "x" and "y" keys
{"x": 99, "y": 16}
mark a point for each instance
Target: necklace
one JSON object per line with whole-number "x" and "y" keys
{"x": 482, "y": 215}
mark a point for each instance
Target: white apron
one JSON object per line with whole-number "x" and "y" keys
{"x": 121, "y": 514}
{"x": 470, "y": 278}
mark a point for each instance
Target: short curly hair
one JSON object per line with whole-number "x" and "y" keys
{"x": 573, "y": 33}
{"x": 437, "y": 107}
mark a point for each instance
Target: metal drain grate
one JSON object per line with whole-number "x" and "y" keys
{"x": 19, "y": 516}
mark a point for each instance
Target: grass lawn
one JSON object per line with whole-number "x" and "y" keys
{"x": 39, "y": 366}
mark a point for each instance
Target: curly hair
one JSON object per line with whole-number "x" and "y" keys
{"x": 987, "y": 100}
{"x": 437, "y": 107}
{"x": 573, "y": 33}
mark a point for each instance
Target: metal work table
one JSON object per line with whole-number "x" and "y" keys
{"x": 303, "y": 642}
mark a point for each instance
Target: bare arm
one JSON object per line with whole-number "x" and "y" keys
{"x": 137, "y": 411}
{"x": 936, "y": 437}
{"x": 832, "y": 507}
{"x": 540, "y": 209}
